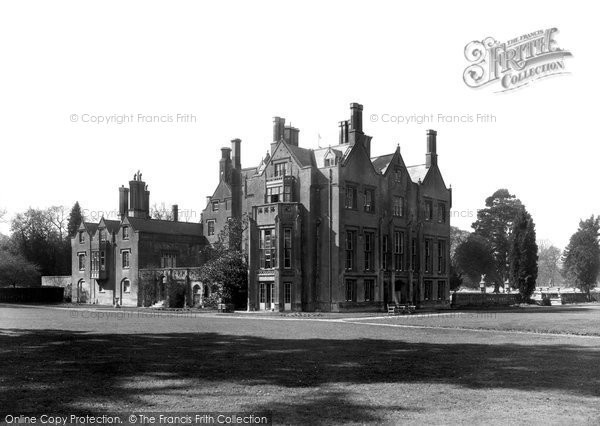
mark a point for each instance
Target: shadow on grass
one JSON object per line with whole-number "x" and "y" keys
{"x": 50, "y": 370}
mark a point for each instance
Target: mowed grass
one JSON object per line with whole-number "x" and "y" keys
{"x": 581, "y": 319}
{"x": 305, "y": 371}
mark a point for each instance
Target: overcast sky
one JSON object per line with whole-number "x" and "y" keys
{"x": 235, "y": 65}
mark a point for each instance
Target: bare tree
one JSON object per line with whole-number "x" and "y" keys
{"x": 58, "y": 217}
{"x": 161, "y": 212}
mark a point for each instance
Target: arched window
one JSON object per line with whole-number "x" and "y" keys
{"x": 196, "y": 289}
{"x": 126, "y": 285}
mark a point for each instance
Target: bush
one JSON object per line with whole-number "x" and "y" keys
{"x": 546, "y": 301}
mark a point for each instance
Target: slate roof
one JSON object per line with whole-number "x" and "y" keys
{"x": 156, "y": 226}
{"x": 382, "y": 162}
{"x": 303, "y": 155}
{"x": 112, "y": 225}
{"x": 417, "y": 172}
{"x": 91, "y": 227}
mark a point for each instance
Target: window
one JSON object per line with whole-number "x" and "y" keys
{"x": 268, "y": 249}
{"x": 369, "y": 290}
{"x": 369, "y": 237}
{"x": 125, "y": 258}
{"x": 428, "y": 289}
{"x": 350, "y": 202}
{"x": 215, "y": 206}
{"x": 369, "y": 200}
{"x": 279, "y": 169}
{"x": 81, "y": 237}
{"x": 398, "y": 206}
{"x": 287, "y": 191}
{"x": 81, "y": 257}
{"x": 441, "y": 213}
{"x": 287, "y": 248}
{"x": 125, "y": 232}
{"x": 102, "y": 235}
{"x": 399, "y": 250}
{"x": 428, "y": 259}
{"x": 428, "y": 210}
{"x": 441, "y": 256}
{"x": 263, "y": 293}
{"x": 102, "y": 260}
{"x": 95, "y": 261}
{"x": 330, "y": 161}
{"x": 273, "y": 194}
{"x": 441, "y": 290}
{"x": 413, "y": 251}
{"x": 274, "y": 294}
{"x": 210, "y": 226}
{"x": 385, "y": 251}
{"x": 100, "y": 288}
{"x": 350, "y": 238}
{"x": 287, "y": 292}
{"x": 351, "y": 290}
{"x": 126, "y": 286}
{"x": 168, "y": 260}
{"x": 398, "y": 174}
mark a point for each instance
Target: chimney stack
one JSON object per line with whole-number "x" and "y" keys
{"x": 278, "y": 128}
{"x": 431, "y": 156}
{"x": 291, "y": 135}
{"x": 237, "y": 155}
{"x": 175, "y": 211}
{"x": 356, "y": 117}
{"x": 225, "y": 164}
{"x": 139, "y": 197}
{"x": 123, "y": 201}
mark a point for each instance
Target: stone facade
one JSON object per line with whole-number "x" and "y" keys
{"x": 107, "y": 256}
{"x": 333, "y": 229}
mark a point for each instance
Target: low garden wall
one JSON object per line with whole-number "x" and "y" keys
{"x": 484, "y": 299}
{"x": 31, "y": 295}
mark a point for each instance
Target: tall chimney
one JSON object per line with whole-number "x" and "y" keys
{"x": 237, "y": 155}
{"x": 146, "y": 205}
{"x": 431, "y": 156}
{"x": 278, "y": 128}
{"x": 175, "y": 211}
{"x": 225, "y": 164}
{"x": 291, "y": 135}
{"x": 356, "y": 117}
{"x": 123, "y": 201}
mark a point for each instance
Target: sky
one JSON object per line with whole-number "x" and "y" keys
{"x": 229, "y": 67}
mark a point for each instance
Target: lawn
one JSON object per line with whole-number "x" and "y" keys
{"x": 304, "y": 370}
{"x": 581, "y": 319}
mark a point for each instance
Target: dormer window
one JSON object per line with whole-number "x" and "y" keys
{"x": 398, "y": 174}
{"x": 125, "y": 232}
{"x": 102, "y": 235}
{"x": 81, "y": 237}
{"x": 215, "y": 206}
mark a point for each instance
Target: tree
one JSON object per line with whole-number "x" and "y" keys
{"x": 523, "y": 255}
{"x": 75, "y": 219}
{"x": 226, "y": 268}
{"x": 495, "y": 224}
{"x": 549, "y": 264}
{"x": 40, "y": 237}
{"x": 161, "y": 212}
{"x": 15, "y": 271}
{"x": 474, "y": 258}
{"x": 581, "y": 258}
{"x": 457, "y": 237}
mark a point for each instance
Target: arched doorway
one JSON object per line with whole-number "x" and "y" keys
{"x": 124, "y": 289}
{"x": 82, "y": 293}
{"x": 197, "y": 294}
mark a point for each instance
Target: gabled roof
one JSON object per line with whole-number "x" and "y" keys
{"x": 155, "y": 226}
{"x": 112, "y": 225}
{"x": 382, "y": 162}
{"x": 89, "y": 226}
{"x": 417, "y": 172}
{"x": 302, "y": 155}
